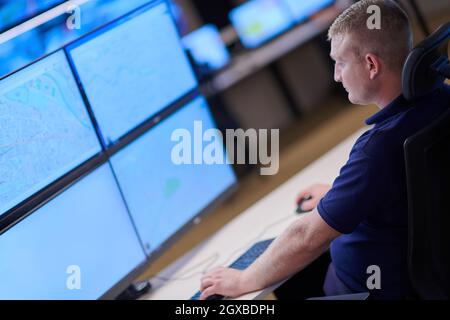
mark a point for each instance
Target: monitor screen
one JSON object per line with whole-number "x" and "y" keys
{"x": 304, "y": 9}
{"x": 207, "y": 48}
{"x": 161, "y": 195}
{"x": 258, "y": 21}
{"x": 128, "y": 69}
{"x": 77, "y": 246}
{"x": 45, "y": 129}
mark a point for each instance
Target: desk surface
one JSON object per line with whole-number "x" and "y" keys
{"x": 266, "y": 219}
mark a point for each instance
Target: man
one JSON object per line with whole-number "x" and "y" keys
{"x": 362, "y": 218}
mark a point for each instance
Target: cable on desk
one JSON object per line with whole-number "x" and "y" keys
{"x": 211, "y": 260}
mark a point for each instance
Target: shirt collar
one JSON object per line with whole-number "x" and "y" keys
{"x": 397, "y": 105}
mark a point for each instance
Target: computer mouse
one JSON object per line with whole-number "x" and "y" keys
{"x": 299, "y": 205}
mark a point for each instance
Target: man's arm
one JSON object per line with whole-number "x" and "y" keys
{"x": 300, "y": 244}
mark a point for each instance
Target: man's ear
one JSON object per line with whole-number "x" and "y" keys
{"x": 373, "y": 65}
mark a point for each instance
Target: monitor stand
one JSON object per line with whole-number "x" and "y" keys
{"x": 135, "y": 291}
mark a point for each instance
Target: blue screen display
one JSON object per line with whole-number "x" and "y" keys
{"x": 207, "y": 47}
{"x": 128, "y": 70}
{"x": 161, "y": 195}
{"x": 53, "y": 34}
{"x": 13, "y": 12}
{"x": 77, "y": 246}
{"x": 258, "y": 21}
{"x": 303, "y": 9}
{"x": 45, "y": 129}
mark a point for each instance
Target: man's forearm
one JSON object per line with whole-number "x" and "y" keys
{"x": 291, "y": 252}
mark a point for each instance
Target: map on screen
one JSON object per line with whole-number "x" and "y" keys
{"x": 132, "y": 70}
{"x": 45, "y": 129}
{"x": 161, "y": 195}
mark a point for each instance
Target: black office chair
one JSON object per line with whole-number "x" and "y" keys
{"x": 427, "y": 156}
{"x": 427, "y": 65}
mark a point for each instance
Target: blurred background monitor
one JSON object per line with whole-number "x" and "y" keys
{"x": 304, "y": 9}
{"x": 14, "y": 12}
{"x": 46, "y": 129}
{"x": 80, "y": 245}
{"x": 127, "y": 69}
{"x": 258, "y": 21}
{"x": 207, "y": 49}
{"x": 163, "y": 196}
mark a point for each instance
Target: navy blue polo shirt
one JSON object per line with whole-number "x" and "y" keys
{"x": 368, "y": 201}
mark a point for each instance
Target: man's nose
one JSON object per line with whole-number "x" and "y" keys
{"x": 337, "y": 75}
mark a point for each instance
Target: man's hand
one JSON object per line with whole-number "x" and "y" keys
{"x": 223, "y": 281}
{"x": 316, "y": 192}
{"x": 302, "y": 242}
{"x": 298, "y": 246}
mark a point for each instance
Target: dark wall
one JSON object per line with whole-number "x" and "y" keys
{"x": 214, "y": 11}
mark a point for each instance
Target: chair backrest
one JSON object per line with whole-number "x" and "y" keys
{"x": 427, "y": 156}
{"x": 427, "y": 65}
{"x": 428, "y": 178}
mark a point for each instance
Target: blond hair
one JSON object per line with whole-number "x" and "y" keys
{"x": 392, "y": 42}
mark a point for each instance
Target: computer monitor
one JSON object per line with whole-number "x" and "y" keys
{"x": 258, "y": 21}
{"x": 304, "y": 9}
{"x": 13, "y": 13}
{"x": 164, "y": 197}
{"x": 54, "y": 33}
{"x": 80, "y": 245}
{"x": 46, "y": 130}
{"x": 132, "y": 69}
{"x": 207, "y": 48}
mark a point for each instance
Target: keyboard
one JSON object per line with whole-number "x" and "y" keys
{"x": 242, "y": 263}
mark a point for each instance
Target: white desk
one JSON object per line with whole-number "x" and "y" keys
{"x": 265, "y": 219}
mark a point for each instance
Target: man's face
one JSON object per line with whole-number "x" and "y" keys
{"x": 351, "y": 70}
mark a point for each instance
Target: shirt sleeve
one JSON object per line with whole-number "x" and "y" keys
{"x": 352, "y": 197}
